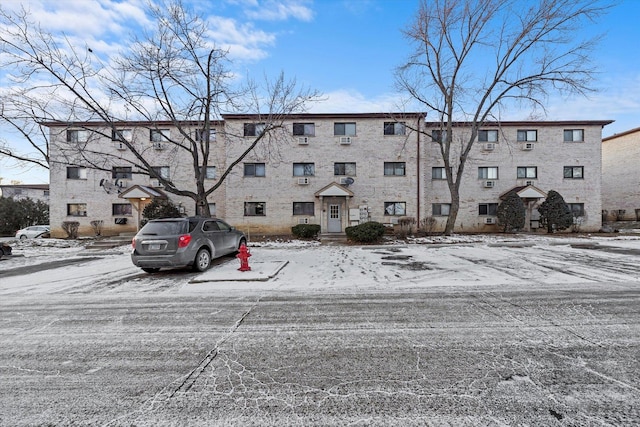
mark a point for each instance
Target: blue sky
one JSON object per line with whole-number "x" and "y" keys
{"x": 346, "y": 49}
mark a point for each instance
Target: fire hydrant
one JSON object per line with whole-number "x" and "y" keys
{"x": 243, "y": 256}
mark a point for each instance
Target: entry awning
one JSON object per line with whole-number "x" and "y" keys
{"x": 334, "y": 190}
{"x": 142, "y": 192}
{"x": 526, "y": 192}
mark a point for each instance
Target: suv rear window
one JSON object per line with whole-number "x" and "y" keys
{"x": 164, "y": 228}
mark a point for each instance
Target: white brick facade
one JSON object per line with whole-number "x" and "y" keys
{"x": 621, "y": 175}
{"x": 287, "y": 181}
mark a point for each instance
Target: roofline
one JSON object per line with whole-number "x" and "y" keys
{"x": 31, "y": 186}
{"x": 617, "y": 135}
{"x": 388, "y": 115}
{"x": 499, "y": 123}
{"x": 139, "y": 123}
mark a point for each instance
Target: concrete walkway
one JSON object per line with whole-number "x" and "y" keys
{"x": 228, "y": 272}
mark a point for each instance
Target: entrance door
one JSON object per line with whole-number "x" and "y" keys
{"x": 334, "y": 221}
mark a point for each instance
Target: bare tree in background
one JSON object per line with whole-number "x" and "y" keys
{"x": 474, "y": 58}
{"x": 173, "y": 74}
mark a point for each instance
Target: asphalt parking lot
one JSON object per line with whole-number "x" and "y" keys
{"x": 476, "y": 336}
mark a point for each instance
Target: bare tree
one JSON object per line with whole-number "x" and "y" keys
{"x": 473, "y": 58}
{"x": 174, "y": 73}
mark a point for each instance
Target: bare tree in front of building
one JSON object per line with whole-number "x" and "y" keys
{"x": 174, "y": 74}
{"x": 474, "y": 59}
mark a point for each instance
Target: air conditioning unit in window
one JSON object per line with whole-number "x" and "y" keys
{"x": 345, "y": 140}
{"x": 303, "y": 220}
{"x": 303, "y": 140}
{"x": 528, "y": 146}
{"x": 489, "y": 184}
{"x": 303, "y": 181}
{"x": 528, "y": 183}
{"x": 156, "y": 183}
{"x": 120, "y": 146}
{"x": 158, "y": 145}
{"x": 489, "y": 220}
{"x": 489, "y": 146}
{"x": 122, "y": 183}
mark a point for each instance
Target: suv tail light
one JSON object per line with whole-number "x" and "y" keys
{"x": 184, "y": 240}
{"x": 133, "y": 243}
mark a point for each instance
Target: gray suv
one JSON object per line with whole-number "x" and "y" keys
{"x": 183, "y": 242}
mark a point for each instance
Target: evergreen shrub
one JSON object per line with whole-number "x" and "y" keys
{"x": 305, "y": 231}
{"x": 367, "y": 232}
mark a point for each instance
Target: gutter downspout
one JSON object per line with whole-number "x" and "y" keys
{"x": 418, "y": 175}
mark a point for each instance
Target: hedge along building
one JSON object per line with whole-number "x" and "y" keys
{"x": 335, "y": 170}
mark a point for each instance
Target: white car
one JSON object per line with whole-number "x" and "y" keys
{"x": 33, "y": 231}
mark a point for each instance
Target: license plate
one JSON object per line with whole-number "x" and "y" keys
{"x": 154, "y": 247}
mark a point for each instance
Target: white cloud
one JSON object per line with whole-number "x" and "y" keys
{"x": 272, "y": 10}
{"x": 243, "y": 41}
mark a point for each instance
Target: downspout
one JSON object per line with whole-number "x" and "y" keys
{"x": 418, "y": 174}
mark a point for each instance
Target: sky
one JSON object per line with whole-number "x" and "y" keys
{"x": 346, "y": 49}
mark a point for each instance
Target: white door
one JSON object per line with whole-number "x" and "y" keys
{"x": 334, "y": 220}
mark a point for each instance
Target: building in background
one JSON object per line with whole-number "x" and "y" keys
{"x": 34, "y": 192}
{"x": 621, "y": 176}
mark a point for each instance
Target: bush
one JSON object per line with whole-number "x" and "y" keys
{"x": 159, "y": 208}
{"x": 71, "y": 228}
{"x": 306, "y": 231}
{"x": 97, "y": 226}
{"x": 511, "y": 212}
{"x": 17, "y": 214}
{"x": 366, "y": 232}
{"x": 555, "y": 213}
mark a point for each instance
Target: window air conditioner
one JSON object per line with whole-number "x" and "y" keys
{"x": 345, "y": 140}
{"x": 303, "y": 140}
{"x": 303, "y": 221}
{"x": 489, "y": 220}
{"x": 489, "y": 184}
{"x": 528, "y": 183}
{"x": 120, "y": 146}
{"x": 489, "y": 146}
{"x": 527, "y": 146}
{"x": 122, "y": 183}
{"x": 156, "y": 183}
{"x": 158, "y": 145}
{"x": 303, "y": 181}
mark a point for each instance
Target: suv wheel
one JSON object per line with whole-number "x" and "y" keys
{"x": 202, "y": 261}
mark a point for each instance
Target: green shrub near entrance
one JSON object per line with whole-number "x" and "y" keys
{"x": 305, "y": 231}
{"x": 366, "y": 232}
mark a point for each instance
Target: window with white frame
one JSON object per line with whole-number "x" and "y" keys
{"x": 394, "y": 168}
{"x": 304, "y": 169}
{"x": 201, "y": 135}
{"x": 488, "y": 172}
{"x": 161, "y": 171}
{"x": 122, "y": 135}
{"x": 573, "y": 135}
{"x": 440, "y": 209}
{"x": 303, "y": 208}
{"x": 574, "y": 172}
{"x": 487, "y": 209}
{"x": 527, "y": 172}
{"x": 77, "y": 135}
{"x": 304, "y": 129}
{"x": 76, "y": 172}
{"x": 438, "y": 172}
{"x": 119, "y": 209}
{"x": 254, "y": 170}
{"x": 254, "y": 209}
{"x": 438, "y": 135}
{"x": 254, "y": 129}
{"x": 209, "y": 172}
{"x": 527, "y": 135}
{"x": 76, "y": 209}
{"x": 488, "y": 135}
{"x": 159, "y": 135}
{"x": 343, "y": 169}
{"x": 395, "y": 208}
{"x": 121, "y": 172}
{"x": 344, "y": 129}
{"x": 577, "y": 209}
{"x": 395, "y": 128}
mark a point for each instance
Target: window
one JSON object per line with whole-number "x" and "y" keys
{"x": 304, "y": 169}
{"x": 77, "y": 209}
{"x": 344, "y": 129}
{"x": 209, "y": 173}
{"x": 573, "y": 135}
{"x": 577, "y": 209}
{"x": 394, "y": 168}
{"x": 527, "y": 135}
{"x": 122, "y": 135}
{"x": 254, "y": 169}
{"x": 161, "y": 171}
{"x": 159, "y": 135}
{"x": 212, "y": 210}
{"x": 441, "y": 209}
{"x": 76, "y": 172}
{"x": 488, "y": 209}
{"x": 488, "y": 135}
{"x": 46, "y": 193}
{"x": 77, "y": 135}
{"x": 526, "y": 172}
{"x": 574, "y": 172}
{"x": 121, "y": 209}
{"x": 395, "y": 128}
{"x": 395, "y": 208}
{"x": 254, "y": 209}
{"x": 303, "y": 208}
{"x": 438, "y": 173}
{"x": 121, "y": 172}
{"x": 344, "y": 169}
{"x": 254, "y": 129}
{"x": 304, "y": 129}
{"x": 488, "y": 172}
{"x": 438, "y": 135}
{"x": 201, "y": 135}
